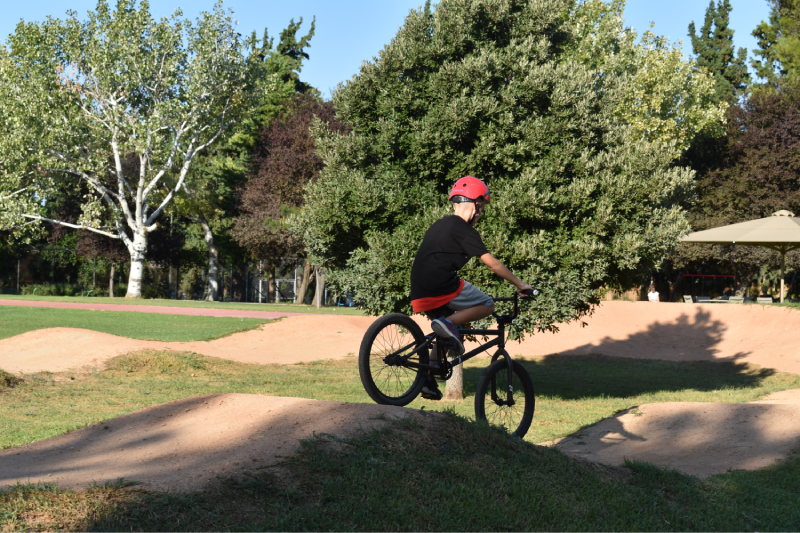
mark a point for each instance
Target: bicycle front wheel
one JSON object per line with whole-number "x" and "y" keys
{"x": 380, "y": 360}
{"x": 491, "y": 397}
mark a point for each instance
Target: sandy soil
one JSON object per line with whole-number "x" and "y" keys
{"x": 186, "y": 444}
{"x": 701, "y": 439}
{"x": 291, "y": 340}
{"x": 100, "y": 305}
{"x": 760, "y": 334}
{"x": 697, "y": 438}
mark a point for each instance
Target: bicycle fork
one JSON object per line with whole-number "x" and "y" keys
{"x": 501, "y": 350}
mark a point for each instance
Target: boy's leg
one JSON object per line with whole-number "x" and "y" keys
{"x": 470, "y": 314}
{"x": 471, "y": 304}
{"x": 430, "y": 391}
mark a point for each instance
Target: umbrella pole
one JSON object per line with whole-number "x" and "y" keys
{"x": 783, "y": 260}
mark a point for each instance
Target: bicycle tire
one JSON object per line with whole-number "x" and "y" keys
{"x": 385, "y": 383}
{"x": 516, "y": 419}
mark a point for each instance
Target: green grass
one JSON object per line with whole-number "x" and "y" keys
{"x": 445, "y": 475}
{"x": 454, "y": 475}
{"x": 279, "y": 307}
{"x": 179, "y": 328}
{"x": 572, "y": 392}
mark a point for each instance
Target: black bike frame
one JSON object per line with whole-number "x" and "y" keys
{"x": 499, "y": 341}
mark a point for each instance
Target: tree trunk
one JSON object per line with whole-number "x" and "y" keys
{"x": 213, "y": 259}
{"x": 111, "y": 280}
{"x": 455, "y": 385}
{"x": 170, "y": 280}
{"x": 138, "y": 251}
{"x": 271, "y": 286}
{"x": 301, "y": 292}
{"x": 246, "y": 283}
{"x": 320, "y": 292}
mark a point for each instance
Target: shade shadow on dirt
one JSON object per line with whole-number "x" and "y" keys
{"x": 190, "y": 443}
{"x": 700, "y": 439}
{"x": 622, "y": 368}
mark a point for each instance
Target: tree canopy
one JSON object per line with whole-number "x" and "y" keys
{"x": 663, "y": 97}
{"x": 218, "y": 174}
{"x": 778, "y": 52}
{"x": 285, "y": 160}
{"x": 581, "y": 198}
{"x": 714, "y": 49}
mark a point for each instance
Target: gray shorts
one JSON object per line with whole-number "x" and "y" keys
{"x": 470, "y": 296}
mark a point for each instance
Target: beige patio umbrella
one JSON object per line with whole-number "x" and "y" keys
{"x": 779, "y": 232}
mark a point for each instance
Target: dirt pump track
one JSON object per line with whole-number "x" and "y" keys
{"x": 697, "y": 438}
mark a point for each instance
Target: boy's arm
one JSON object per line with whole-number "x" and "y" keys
{"x": 500, "y": 269}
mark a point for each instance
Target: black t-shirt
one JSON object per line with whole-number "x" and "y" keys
{"x": 447, "y": 246}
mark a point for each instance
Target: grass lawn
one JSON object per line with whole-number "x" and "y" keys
{"x": 280, "y": 307}
{"x": 16, "y": 320}
{"x": 457, "y": 476}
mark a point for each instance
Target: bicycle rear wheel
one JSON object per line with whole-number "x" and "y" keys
{"x": 492, "y": 393}
{"x": 384, "y": 378}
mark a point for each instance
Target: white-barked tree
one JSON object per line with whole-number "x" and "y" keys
{"x": 117, "y": 105}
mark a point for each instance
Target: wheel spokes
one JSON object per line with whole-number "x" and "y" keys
{"x": 392, "y": 380}
{"x": 499, "y": 413}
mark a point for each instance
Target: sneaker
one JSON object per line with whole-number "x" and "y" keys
{"x": 430, "y": 391}
{"x": 448, "y": 331}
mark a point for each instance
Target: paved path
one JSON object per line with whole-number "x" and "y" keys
{"x": 193, "y": 311}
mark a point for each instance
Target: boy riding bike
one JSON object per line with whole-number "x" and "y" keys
{"x": 447, "y": 246}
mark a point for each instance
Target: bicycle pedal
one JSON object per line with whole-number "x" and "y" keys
{"x": 432, "y": 396}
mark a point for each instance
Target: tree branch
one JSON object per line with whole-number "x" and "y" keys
{"x": 74, "y": 226}
{"x": 14, "y": 193}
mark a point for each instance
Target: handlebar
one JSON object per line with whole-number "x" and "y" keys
{"x": 527, "y": 293}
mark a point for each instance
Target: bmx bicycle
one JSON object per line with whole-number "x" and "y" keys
{"x": 395, "y": 357}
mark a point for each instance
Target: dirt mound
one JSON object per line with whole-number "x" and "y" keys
{"x": 701, "y": 439}
{"x": 759, "y": 334}
{"x": 291, "y": 340}
{"x": 762, "y": 335}
{"x": 186, "y": 444}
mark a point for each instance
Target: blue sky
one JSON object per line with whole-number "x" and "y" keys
{"x": 351, "y": 31}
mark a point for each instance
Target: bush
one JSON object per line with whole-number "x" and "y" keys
{"x": 151, "y": 292}
{"x": 7, "y": 380}
{"x": 53, "y": 289}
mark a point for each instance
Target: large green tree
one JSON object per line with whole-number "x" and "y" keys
{"x": 714, "y": 49}
{"x": 78, "y": 97}
{"x": 581, "y": 199}
{"x": 778, "y": 52}
{"x": 663, "y": 96}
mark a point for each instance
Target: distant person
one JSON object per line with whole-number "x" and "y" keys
{"x": 652, "y": 294}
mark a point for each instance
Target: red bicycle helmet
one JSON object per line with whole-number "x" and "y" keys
{"x": 470, "y": 188}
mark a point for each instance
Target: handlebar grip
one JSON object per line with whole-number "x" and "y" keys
{"x": 530, "y": 292}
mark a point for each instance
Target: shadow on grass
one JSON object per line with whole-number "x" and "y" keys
{"x": 572, "y": 377}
